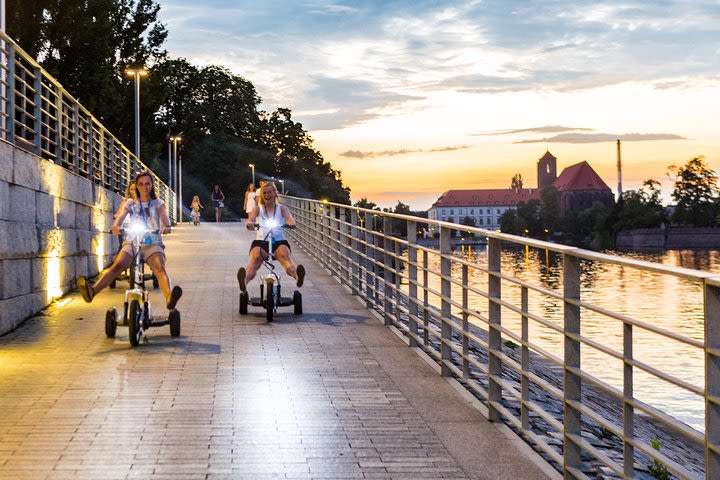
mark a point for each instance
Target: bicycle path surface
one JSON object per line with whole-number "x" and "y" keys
{"x": 330, "y": 394}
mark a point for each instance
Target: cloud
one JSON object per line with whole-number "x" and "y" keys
{"x": 544, "y": 129}
{"x": 604, "y": 137}
{"x": 392, "y": 153}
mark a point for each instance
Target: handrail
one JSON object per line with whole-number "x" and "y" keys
{"x": 39, "y": 115}
{"x": 424, "y": 292}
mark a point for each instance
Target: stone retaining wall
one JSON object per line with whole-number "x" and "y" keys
{"x": 51, "y": 224}
{"x": 672, "y": 238}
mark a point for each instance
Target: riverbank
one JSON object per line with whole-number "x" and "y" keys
{"x": 669, "y": 238}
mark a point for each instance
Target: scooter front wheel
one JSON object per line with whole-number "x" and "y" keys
{"x": 134, "y": 330}
{"x": 270, "y": 303}
{"x": 174, "y": 318}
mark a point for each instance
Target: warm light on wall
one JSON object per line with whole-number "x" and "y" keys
{"x": 52, "y": 282}
{"x": 98, "y": 223}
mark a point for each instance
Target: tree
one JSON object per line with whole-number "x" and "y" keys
{"x": 550, "y": 217}
{"x": 641, "y": 208}
{"x": 87, "y": 45}
{"x": 516, "y": 182}
{"x": 695, "y": 192}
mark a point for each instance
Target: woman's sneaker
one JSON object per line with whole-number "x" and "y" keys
{"x": 241, "y": 279}
{"x": 85, "y": 289}
{"x": 300, "y": 275}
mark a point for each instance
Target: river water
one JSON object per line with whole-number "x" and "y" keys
{"x": 665, "y": 301}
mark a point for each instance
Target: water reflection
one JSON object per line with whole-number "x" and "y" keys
{"x": 665, "y": 301}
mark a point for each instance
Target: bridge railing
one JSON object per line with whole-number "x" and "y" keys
{"x": 37, "y": 114}
{"x": 547, "y": 397}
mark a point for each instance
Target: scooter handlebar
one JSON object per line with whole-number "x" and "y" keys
{"x": 257, "y": 226}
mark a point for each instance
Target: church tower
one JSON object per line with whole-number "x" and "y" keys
{"x": 546, "y": 170}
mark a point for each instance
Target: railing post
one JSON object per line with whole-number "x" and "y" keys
{"x": 11, "y": 94}
{"x": 446, "y": 292}
{"x": 572, "y": 381}
{"x": 465, "y": 324}
{"x": 58, "y": 124}
{"x": 494, "y": 337}
{"x": 332, "y": 240}
{"x": 712, "y": 381}
{"x": 76, "y": 137}
{"x": 524, "y": 361}
{"x": 426, "y": 300}
{"x": 628, "y": 409}
{"x": 354, "y": 257}
{"x": 387, "y": 270}
{"x": 344, "y": 247}
{"x": 37, "y": 110}
{"x": 369, "y": 266}
{"x": 412, "y": 281}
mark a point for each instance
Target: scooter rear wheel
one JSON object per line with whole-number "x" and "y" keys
{"x": 244, "y": 301}
{"x": 134, "y": 330}
{"x": 297, "y": 303}
{"x": 110, "y": 322}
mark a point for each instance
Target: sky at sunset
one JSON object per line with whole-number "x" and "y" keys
{"x": 411, "y": 98}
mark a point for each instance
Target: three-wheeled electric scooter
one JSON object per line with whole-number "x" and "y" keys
{"x": 270, "y": 289}
{"x": 137, "y": 311}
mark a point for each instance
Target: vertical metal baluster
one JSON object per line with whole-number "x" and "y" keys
{"x": 712, "y": 379}
{"x": 465, "y": 324}
{"x": 76, "y": 134}
{"x": 398, "y": 281}
{"x": 412, "y": 281}
{"x": 446, "y": 292}
{"x": 354, "y": 248}
{"x": 11, "y": 95}
{"x": 369, "y": 267}
{"x": 628, "y": 409}
{"x": 524, "y": 361}
{"x": 572, "y": 382}
{"x": 37, "y": 111}
{"x": 58, "y": 125}
{"x": 387, "y": 270}
{"x": 344, "y": 248}
{"x": 494, "y": 336}
{"x": 426, "y": 301}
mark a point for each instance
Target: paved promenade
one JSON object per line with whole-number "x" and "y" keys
{"x": 331, "y": 394}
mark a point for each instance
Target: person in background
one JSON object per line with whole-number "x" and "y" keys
{"x": 269, "y": 209}
{"x": 250, "y": 199}
{"x": 151, "y": 211}
{"x": 195, "y": 208}
{"x": 218, "y": 199}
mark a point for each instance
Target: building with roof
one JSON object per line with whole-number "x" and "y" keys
{"x": 485, "y": 207}
{"x": 579, "y": 187}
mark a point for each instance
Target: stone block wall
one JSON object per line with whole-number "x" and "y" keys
{"x": 52, "y": 225}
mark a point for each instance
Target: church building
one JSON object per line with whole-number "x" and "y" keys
{"x": 578, "y": 185}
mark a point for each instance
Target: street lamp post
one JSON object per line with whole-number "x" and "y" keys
{"x": 177, "y": 183}
{"x": 252, "y": 167}
{"x": 137, "y": 73}
{"x": 282, "y": 183}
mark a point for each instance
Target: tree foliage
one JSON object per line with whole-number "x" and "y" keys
{"x": 516, "y": 182}
{"x": 641, "y": 208}
{"x": 88, "y": 44}
{"x": 695, "y": 192}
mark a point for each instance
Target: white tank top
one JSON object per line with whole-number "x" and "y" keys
{"x": 262, "y": 219}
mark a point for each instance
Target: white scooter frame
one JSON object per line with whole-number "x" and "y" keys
{"x": 270, "y": 293}
{"x": 137, "y": 314}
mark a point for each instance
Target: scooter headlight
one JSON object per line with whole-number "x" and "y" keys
{"x": 271, "y": 223}
{"x": 136, "y": 229}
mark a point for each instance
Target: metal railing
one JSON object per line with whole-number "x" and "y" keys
{"x": 40, "y": 116}
{"x": 424, "y": 292}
